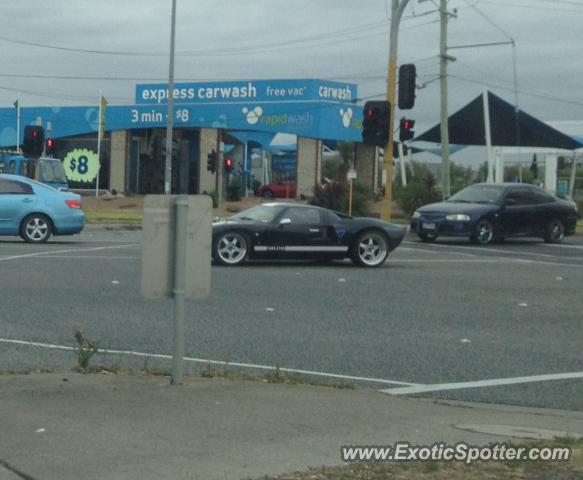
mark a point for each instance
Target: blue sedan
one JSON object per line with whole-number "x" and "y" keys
{"x": 487, "y": 212}
{"x": 36, "y": 211}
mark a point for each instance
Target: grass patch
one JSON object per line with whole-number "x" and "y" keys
{"x": 275, "y": 376}
{"x": 523, "y": 470}
{"x": 114, "y": 216}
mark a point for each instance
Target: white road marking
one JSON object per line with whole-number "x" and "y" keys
{"x": 447, "y": 260}
{"x": 487, "y": 249}
{"x": 433, "y": 251}
{"x": 560, "y": 245}
{"x": 482, "y": 383}
{"x": 510, "y": 259}
{"x": 71, "y": 250}
{"x": 91, "y": 257}
{"x": 212, "y": 362}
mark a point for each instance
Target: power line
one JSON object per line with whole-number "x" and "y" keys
{"x": 522, "y": 92}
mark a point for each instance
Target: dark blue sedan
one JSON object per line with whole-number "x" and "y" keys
{"x": 36, "y": 211}
{"x": 487, "y": 212}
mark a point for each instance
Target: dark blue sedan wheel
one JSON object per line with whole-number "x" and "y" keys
{"x": 484, "y": 233}
{"x": 554, "y": 231}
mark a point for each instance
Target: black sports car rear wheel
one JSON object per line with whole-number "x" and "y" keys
{"x": 554, "y": 231}
{"x": 370, "y": 249}
{"x": 484, "y": 233}
{"x": 230, "y": 248}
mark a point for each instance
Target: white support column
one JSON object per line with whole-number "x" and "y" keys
{"x": 551, "y": 161}
{"x": 488, "y": 137}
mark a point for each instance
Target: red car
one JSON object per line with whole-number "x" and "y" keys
{"x": 285, "y": 189}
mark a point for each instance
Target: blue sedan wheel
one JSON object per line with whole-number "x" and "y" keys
{"x": 36, "y": 228}
{"x": 484, "y": 233}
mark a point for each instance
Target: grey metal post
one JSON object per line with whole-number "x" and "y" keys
{"x": 170, "y": 121}
{"x": 179, "y": 283}
{"x": 220, "y": 170}
{"x": 443, "y": 59}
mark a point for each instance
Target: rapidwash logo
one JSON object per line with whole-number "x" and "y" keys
{"x": 254, "y": 115}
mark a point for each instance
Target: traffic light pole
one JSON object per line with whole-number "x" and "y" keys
{"x": 397, "y": 8}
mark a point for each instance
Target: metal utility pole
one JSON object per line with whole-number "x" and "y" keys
{"x": 443, "y": 59}
{"x": 170, "y": 121}
{"x": 397, "y": 8}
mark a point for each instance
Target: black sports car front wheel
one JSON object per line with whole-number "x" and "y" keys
{"x": 230, "y": 248}
{"x": 370, "y": 249}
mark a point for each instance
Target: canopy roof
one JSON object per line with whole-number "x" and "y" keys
{"x": 508, "y": 127}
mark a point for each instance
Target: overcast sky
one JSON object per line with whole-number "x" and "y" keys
{"x": 345, "y": 40}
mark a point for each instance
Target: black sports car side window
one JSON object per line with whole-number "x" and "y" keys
{"x": 303, "y": 215}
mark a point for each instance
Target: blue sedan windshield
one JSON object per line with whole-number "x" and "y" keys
{"x": 478, "y": 194}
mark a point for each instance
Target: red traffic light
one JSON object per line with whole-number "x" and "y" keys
{"x": 228, "y": 164}
{"x": 406, "y": 129}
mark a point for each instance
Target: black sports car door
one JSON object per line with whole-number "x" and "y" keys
{"x": 299, "y": 233}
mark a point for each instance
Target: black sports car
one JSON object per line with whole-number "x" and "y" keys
{"x": 486, "y": 212}
{"x": 286, "y": 231}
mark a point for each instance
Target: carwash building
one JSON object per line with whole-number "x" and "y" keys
{"x": 237, "y": 117}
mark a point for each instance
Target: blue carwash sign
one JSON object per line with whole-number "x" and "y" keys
{"x": 247, "y": 91}
{"x": 309, "y": 108}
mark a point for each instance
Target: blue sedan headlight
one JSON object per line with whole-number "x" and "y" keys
{"x": 458, "y": 217}
{"x": 416, "y": 215}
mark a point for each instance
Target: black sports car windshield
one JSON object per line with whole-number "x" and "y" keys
{"x": 260, "y": 213}
{"x": 478, "y": 194}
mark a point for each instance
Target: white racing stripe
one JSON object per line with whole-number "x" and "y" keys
{"x": 439, "y": 387}
{"x": 71, "y": 250}
{"x": 205, "y": 361}
{"x": 288, "y": 248}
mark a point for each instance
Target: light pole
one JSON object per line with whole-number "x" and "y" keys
{"x": 397, "y": 8}
{"x": 170, "y": 120}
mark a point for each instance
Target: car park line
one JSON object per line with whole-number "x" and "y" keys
{"x": 440, "y": 387}
{"x": 433, "y": 251}
{"x": 204, "y": 361}
{"x": 485, "y": 249}
{"x": 70, "y": 250}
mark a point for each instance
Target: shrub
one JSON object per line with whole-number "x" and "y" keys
{"x": 234, "y": 188}
{"x": 330, "y": 196}
{"x": 415, "y": 195}
{"x": 362, "y": 197}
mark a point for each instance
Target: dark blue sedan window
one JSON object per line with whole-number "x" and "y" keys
{"x": 478, "y": 194}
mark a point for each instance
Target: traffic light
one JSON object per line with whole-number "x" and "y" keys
{"x": 34, "y": 140}
{"x": 228, "y": 164}
{"x": 407, "y": 76}
{"x": 406, "y": 131}
{"x": 375, "y": 125}
{"x": 211, "y": 162}
{"x": 50, "y": 147}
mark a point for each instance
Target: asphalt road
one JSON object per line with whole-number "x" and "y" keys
{"x": 434, "y": 314}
